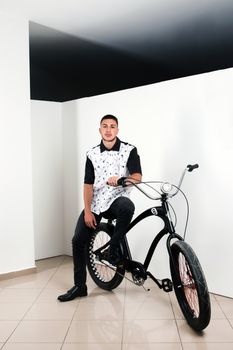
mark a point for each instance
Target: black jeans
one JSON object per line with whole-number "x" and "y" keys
{"x": 122, "y": 209}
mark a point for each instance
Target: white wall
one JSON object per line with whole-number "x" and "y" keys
{"x": 47, "y": 172}
{"x": 173, "y": 124}
{"x": 71, "y": 173}
{"x": 16, "y": 214}
{"x": 55, "y": 174}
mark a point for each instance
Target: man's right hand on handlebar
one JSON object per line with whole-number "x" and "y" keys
{"x": 113, "y": 181}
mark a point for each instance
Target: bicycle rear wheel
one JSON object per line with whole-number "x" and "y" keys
{"x": 105, "y": 275}
{"x": 190, "y": 285}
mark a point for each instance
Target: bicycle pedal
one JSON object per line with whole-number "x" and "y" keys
{"x": 167, "y": 285}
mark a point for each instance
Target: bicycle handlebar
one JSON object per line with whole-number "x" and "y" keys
{"x": 121, "y": 181}
{"x": 192, "y": 167}
{"x": 124, "y": 180}
{"x": 188, "y": 168}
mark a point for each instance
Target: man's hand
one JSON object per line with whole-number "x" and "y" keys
{"x": 90, "y": 220}
{"x": 112, "y": 181}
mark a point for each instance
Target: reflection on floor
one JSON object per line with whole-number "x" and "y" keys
{"x": 128, "y": 318}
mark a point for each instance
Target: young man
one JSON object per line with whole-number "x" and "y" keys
{"x": 106, "y": 163}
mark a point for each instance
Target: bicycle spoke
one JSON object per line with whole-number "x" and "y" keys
{"x": 102, "y": 272}
{"x": 189, "y": 286}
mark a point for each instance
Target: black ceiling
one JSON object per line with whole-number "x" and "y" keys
{"x": 64, "y": 67}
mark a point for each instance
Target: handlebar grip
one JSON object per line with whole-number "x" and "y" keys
{"x": 192, "y": 167}
{"x": 121, "y": 181}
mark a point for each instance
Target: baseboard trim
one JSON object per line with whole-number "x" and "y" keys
{"x": 9, "y": 275}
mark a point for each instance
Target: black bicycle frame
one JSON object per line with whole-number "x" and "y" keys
{"x": 162, "y": 212}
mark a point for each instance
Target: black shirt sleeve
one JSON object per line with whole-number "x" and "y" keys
{"x": 134, "y": 164}
{"x": 89, "y": 177}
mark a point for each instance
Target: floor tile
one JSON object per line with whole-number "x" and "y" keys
{"x": 32, "y": 346}
{"x": 64, "y": 284}
{"x": 221, "y": 298}
{"x": 148, "y": 310}
{"x": 61, "y": 280}
{"x": 212, "y": 296}
{"x": 208, "y": 346}
{"x": 40, "y": 332}
{"x": 20, "y": 295}
{"x": 4, "y": 283}
{"x": 218, "y": 331}
{"x": 95, "y": 332}
{"x": 81, "y": 346}
{"x": 149, "y": 331}
{"x": 98, "y": 295}
{"x": 13, "y": 311}
{"x": 50, "y": 263}
{"x": 152, "y": 346}
{"x": 226, "y": 305}
{"x": 139, "y": 295}
{"x": 66, "y": 267}
{"x": 51, "y": 311}
{"x": 175, "y": 307}
{"x": 35, "y": 280}
{"x": 50, "y": 295}
{"x": 99, "y": 311}
{"x": 92, "y": 285}
{"x": 127, "y": 318}
{"x": 6, "y": 329}
{"x": 216, "y": 310}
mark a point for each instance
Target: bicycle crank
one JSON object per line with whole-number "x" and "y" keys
{"x": 137, "y": 277}
{"x": 137, "y": 270}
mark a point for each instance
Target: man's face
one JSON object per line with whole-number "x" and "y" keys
{"x": 108, "y": 130}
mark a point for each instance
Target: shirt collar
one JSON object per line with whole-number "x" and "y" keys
{"x": 116, "y": 146}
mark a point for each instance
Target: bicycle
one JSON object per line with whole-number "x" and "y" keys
{"x": 187, "y": 277}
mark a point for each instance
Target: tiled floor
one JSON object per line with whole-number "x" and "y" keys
{"x": 129, "y": 318}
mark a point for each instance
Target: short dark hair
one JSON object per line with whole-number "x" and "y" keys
{"x": 109, "y": 116}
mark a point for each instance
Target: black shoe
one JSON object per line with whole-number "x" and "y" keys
{"x": 73, "y": 293}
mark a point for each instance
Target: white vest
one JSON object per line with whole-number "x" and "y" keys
{"x": 107, "y": 164}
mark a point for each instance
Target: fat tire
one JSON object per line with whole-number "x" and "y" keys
{"x": 183, "y": 256}
{"x": 103, "y": 274}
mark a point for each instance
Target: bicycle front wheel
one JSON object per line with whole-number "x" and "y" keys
{"x": 105, "y": 275}
{"x": 190, "y": 285}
